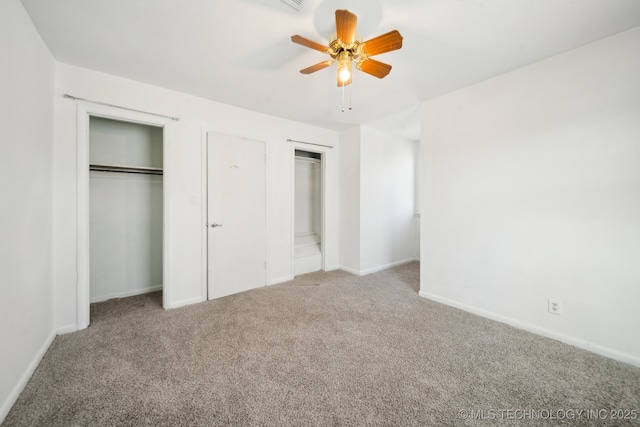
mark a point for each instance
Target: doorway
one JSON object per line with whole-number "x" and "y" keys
{"x": 125, "y": 209}
{"x": 85, "y": 112}
{"x": 308, "y": 212}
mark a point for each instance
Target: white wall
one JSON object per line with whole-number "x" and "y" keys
{"x": 378, "y": 225}
{"x": 387, "y": 211}
{"x": 125, "y": 210}
{"x": 121, "y": 143}
{"x": 26, "y": 157}
{"x": 350, "y": 200}
{"x": 531, "y": 190}
{"x": 184, "y": 158}
{"x": 125, "y": 223}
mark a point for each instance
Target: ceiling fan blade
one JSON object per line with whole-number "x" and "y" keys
{"x": 375, "y": 68}
{"x": 384, "y": 43}
{"x": 346, "y": 26}
{"x": 309, "y": 43}
{"x": 317, "y": 67}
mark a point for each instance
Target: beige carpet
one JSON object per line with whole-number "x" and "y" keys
{"x": 325, "y": 349}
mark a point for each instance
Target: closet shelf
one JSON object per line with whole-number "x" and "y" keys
{"x": 126, "y": 169}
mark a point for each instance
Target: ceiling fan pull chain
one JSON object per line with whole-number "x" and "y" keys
{"x": 350, "y": 96}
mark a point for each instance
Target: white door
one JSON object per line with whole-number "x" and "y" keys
{"x": 236, "y": 214}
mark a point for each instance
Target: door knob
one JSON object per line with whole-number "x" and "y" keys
{"x": 214, "y": 225}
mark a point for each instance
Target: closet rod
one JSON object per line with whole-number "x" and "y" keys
{"x": 126, "y": 169}
{"x": 307, "y": 159}
{"x": 75, "y": 98}
{"x": 310, "y": 143}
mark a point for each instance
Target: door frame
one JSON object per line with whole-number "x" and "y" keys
{"x": 323, "y": 211}
{"x": 84, "y": 112}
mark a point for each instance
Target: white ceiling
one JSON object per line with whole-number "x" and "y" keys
{"x": 239, "y": 51}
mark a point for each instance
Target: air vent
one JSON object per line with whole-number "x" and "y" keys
{"x": 296, "y": 4}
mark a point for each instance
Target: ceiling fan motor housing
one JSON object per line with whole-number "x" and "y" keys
{"x": 341, "y": 51}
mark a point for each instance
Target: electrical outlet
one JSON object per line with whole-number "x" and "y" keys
{"x": 555, "y": 306}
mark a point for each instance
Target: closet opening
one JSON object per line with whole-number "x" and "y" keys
{"x": 308, "y": 212}
{"x": 125, "y": 210}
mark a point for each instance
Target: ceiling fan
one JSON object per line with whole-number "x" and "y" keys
{"x": 347, "y": 47}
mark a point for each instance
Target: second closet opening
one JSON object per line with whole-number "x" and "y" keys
{"x": 308, "y": 250}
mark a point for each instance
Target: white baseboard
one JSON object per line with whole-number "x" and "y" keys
{"x": 379, "y": 268}
{"x": 66, "y": 329}
{"x": 280, "y": 280}
{"x": 585, "y": 345}
{"x": 187, "y": 301}
{"x": 384, "y": 267}
{"x": 26, "y": 376}
{"x": 350, "y": 270}
{"x": 126, "y": 294}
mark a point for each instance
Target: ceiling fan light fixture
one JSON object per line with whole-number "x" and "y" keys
{"x": 344, "y": 69}
{"x": 344, "y": 73}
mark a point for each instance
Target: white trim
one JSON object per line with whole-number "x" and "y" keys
{"x": 376, "y": 269}
{"x": 167, "y": 180}
{"x": 585, "y": 345}
{"x": 126, "y": 293}
{"x": 280, "y": 280}
{"x": 292, "y": 208}
{"x": 26, "y": 376}
{"x": 323, "y": 201}
{"x": 350, "y": 270}
{"x": 267, "y": 217}
{"x": 66, "y": 329}
{"x": 82, "y": 217}
{"x": 188, "y": 301}
{"x": 84, "y": 112}
{"x": 204, "y": 214}
{"x": 384, "y": 267}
